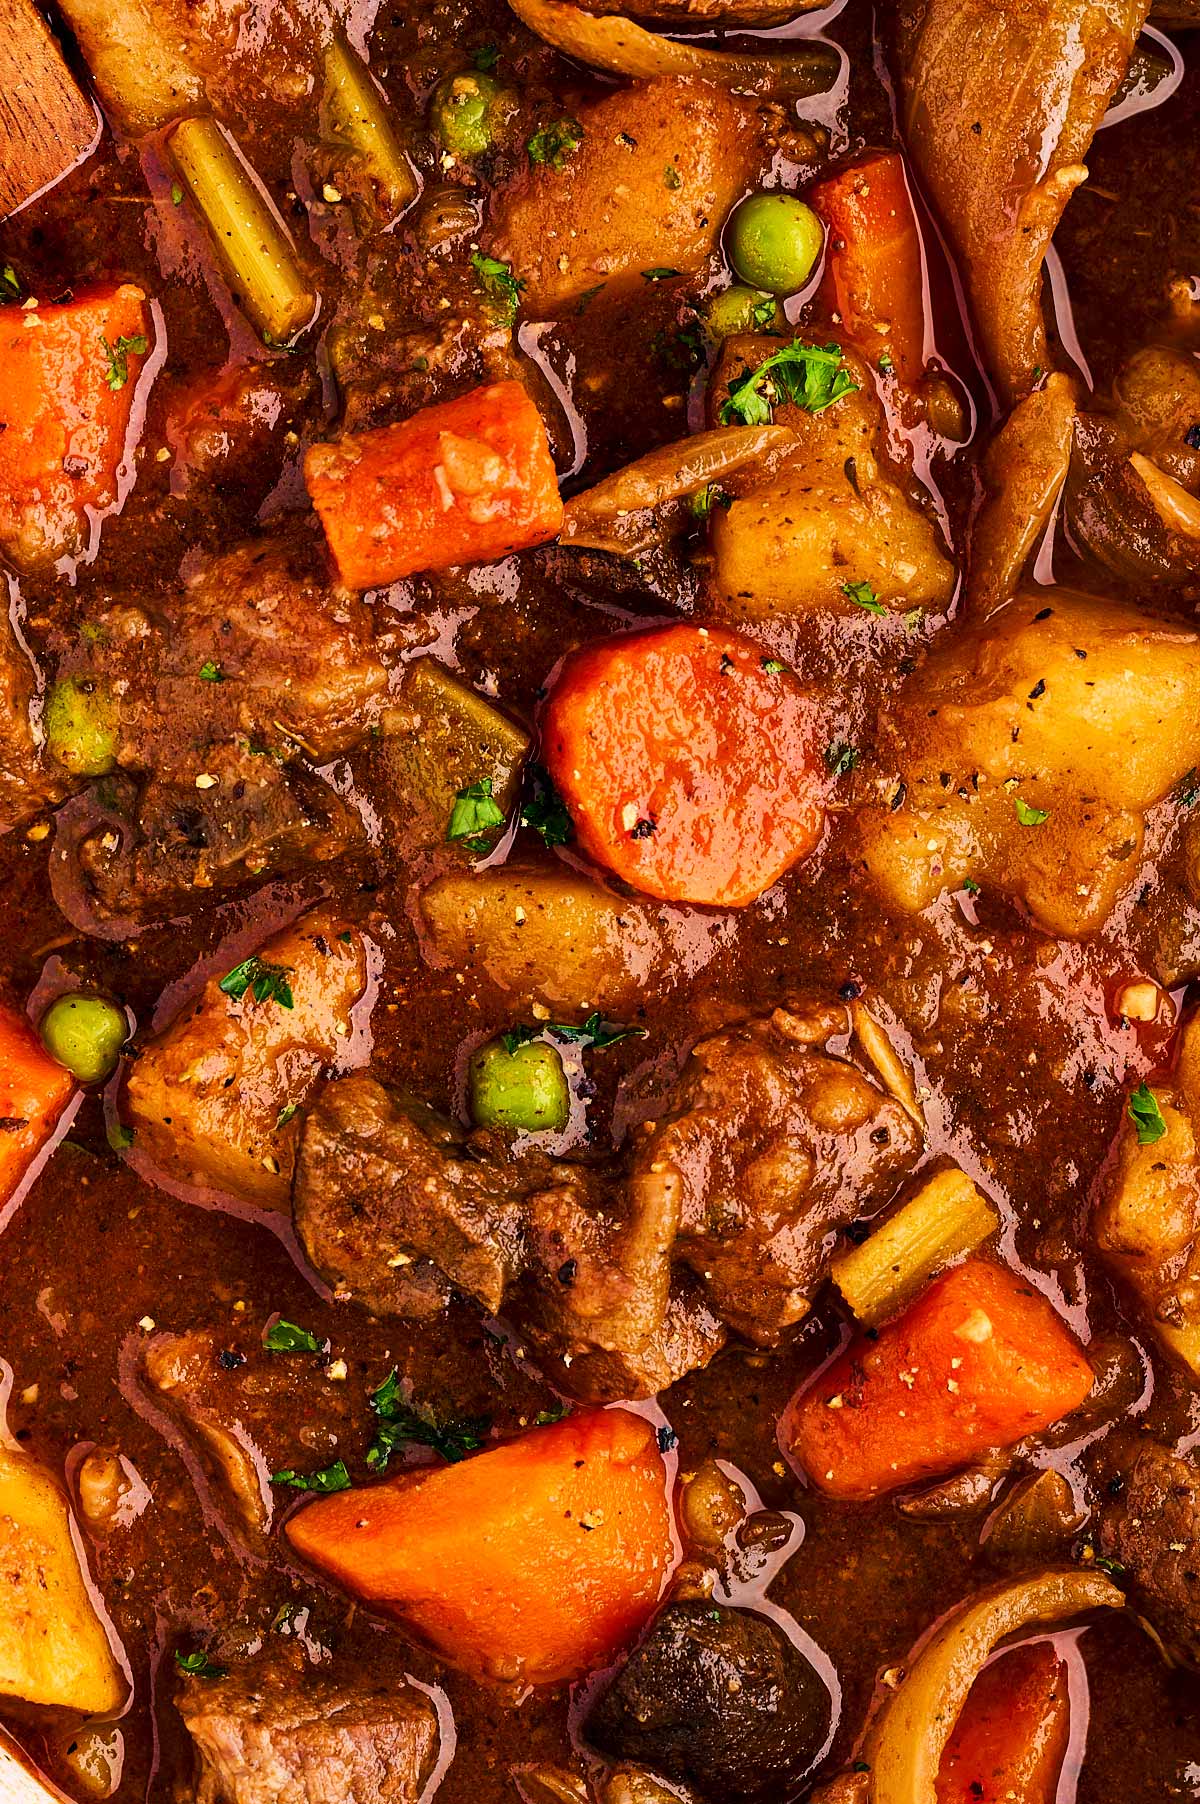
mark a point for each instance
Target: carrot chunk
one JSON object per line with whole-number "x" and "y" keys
{"x": 464, "y": 482}
{"x": 979, "y": 1361}
{"x": 533, "y": 1561}
{"x": 1010, "y": 1740}
{"x": 874, "y": 278}
{"x": 688, "y": 761}
{"x": 34, "y": 1089}
{"x": 68, "y": 374}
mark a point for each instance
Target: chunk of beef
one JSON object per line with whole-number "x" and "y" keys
{"x": 184, "y": 1373}
{"x": 717, "y": 1696}
{"x": 771, "y": 1144}
{"x": 25, "y": 786}
{"x": 1152, "y": 1526}
{"x": 276, "y": 1732}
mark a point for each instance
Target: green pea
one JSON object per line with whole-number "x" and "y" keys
{"x": 470, "y": 112}
{"x": 85, "y": 1032}
{"x": 739, "y": 309}
{"x": 81, "y": 726}
{"x": 773, "y": 241}
{"x": 525, "y": 1089}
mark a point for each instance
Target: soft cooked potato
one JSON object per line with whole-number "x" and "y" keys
{"x": 1027, "y": 753}
{"x": 53, "y": 1648}
{"x": 550, "y": 936}
{"x": 213, "y": 1098}
{"x": 608, "y": 214}
{"x": 828, "y": 516}
{"x": 1147, "y": 1221}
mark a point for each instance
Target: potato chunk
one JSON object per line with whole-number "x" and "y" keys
{"x": 1027, "y": 753}
{"x": 53, "y": 1648}
{"x": 212, "y": 1099}
{"x": 452, "y": 737}
{"x": 608, "y": 214}
{"x": 1147, "y": 1221}
{"x": 548, "y": 935}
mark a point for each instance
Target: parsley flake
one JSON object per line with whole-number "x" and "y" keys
{"x": 971, "y": 887}
{"x": 499, "y": 284}
{"x": 286, "y": 1337}
{"x": 211, "y": 673}
{"x": 773, "y": 666}
{"x": 485, "y": 58}
{"x": 324, "y": 1483}
{"x": 672, "y": 177}
{"x": 552, "y": 144}
{"x": 265, "y": 982}
{"x": 809, "y": 376}
{"x": 864, "y": 596}
{"x": 544, "y": 809}
{"x": 402, "y": 1425}
{"x": 117, "y": 373}
{"x": 593, "y": 1035}
{"x": 288, "y": 1110}
{"x": 1027, "y": 814}
{"x": 475, "y": 814}
{"x": 1146, "y": 1115}
{"x": 840, "y": 757}
{"x": 197, "y": 1665}
{"x": 658, "y": 275}
{"x": 10, "y": 283}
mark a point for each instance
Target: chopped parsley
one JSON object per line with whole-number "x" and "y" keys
{"x": 1146, "y": 1115}
{"x": 864, "y": 596}
{"x": 552, "y": 144}
{"x": 10, "y": 283}
{"x": 1027, "y": 814}
{"x": 211, "y": 673}
{"x": 587, "y": 297}
{"x": 971, "y": 887}
{"x": 401, "y": 1425}
{"x": 485, "y": 58}
{"x": 499, "y": 284}
{"x": 545, "y": 1417}
{"x": 594, "y": 1034}
{"x": 705, "y": 499}
{"x": 327, "y": 1480}
{"x": 544, "y": 809}
{"x": 672, "y": 177}
{"x": 658, "y": 275}
{"x": 286, "y": 1337}
{"x": 840, "y": 757}
{"x": 885, "y": 365}
{"x": 773, "y": 666}
{"x": 265, "y": 982}
{"x": 763, "y": 313}
{"x": 809, "y": 376}
{"x": 288, "y": 1110}
{"x": 176, "y": 194}
{"x": 474, "y": 815}
{"x": 197, "y": 1665}
{"x": 117, "y": 373}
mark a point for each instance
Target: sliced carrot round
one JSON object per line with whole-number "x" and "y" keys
{"x": 689, "y": 761}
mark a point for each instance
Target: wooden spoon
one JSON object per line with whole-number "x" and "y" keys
{"x": 46, "y": 124}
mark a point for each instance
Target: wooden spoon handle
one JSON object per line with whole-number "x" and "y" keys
{"x": 46, "y": 124}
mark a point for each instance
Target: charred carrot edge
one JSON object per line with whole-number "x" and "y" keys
{"x": 34, "y": 1090}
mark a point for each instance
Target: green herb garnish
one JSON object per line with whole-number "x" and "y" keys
{"x": 401, "y": 1425}
{"x": 658, "y": 275}
{"x": 672, "y": 177}
{"x": 289, "y": 1108}
{"x": 10, "y": 283}
{"x": 1146, "y": 1115}
{"x": 485, "y": 58}
{"x": 499, "y": 284}
{"x": 211, "y": 673}
{"x": 474, "y": 815}
{"x": 328, "y": 1479}
{"x": 266, "y": 982}
{"x": 864, "y": 596}
{"x": 1027, "y": 814}
{"x": 773, "y": 666}
{"x": 117, "y": 373}
{"x": 840, "y": 757}
{"x": 286, "y": 1337}
{"x": 970, "y": 885}
{"x": 544, "y": 809}
{"x": 594, "y": 1034}
{"x": 552, "y": 144}
{"x": 810, "y": 376}
{"x": 197, "y": 1665}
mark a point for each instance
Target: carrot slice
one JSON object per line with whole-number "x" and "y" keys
{"x": 464, "y": 482}
{"x": 67, "y": 379}
{"x": 34, "y": 1090}
{"x": 873, "y": 279}
{"x": 688, "y": 761}
{"x": 1010, "y": 1740}
{"x": 979, "y": 1361}
{"x": 533, "y": 1561}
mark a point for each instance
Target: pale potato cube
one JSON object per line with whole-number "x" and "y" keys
{"x": 214, "y": 1098}
{"x": 53, "y": 1647}
{"x": 608, "y": 215}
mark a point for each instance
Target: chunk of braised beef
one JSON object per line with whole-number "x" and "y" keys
{"x": 277, "y": 1731}
{"x": 1150, "y": 1525}
{"x": 719, "y": 1697}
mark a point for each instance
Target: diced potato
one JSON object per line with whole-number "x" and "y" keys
{"x": 1028, "y": 752}
{"x": 547, "y": 935}
{"x": 608, "y": 216}
{"x": 53, "y": 1648}
{"x": 213, "y": 1100}
{"x": 453, "y": 739}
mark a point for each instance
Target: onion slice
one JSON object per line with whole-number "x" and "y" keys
{"x": 908, "y": 1737}
{"x": 665, "y": 474}
{"x": 623, "y": 48}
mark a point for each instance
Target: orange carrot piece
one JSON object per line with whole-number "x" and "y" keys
{"x": 464, "y": 482}
{"x": 534, "y": 1561}
{"x": 979, "y": 1361}
{"x": 34, "y": 1089}
{"x": 67, "y": 380}
{"x": 688, "y": 761}
{"x": 873, "y": 273}
{"x": 1010, "y": 1740}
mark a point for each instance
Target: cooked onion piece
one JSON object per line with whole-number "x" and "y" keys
{"x": 668, "y": 473}
{"x": 623, "y": 48}
{"x": 906, "y": 1741}
{"x": 886, "y": 1060}
{"x": 1178, "y": 510}
{"x": 1024, "y": 471}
